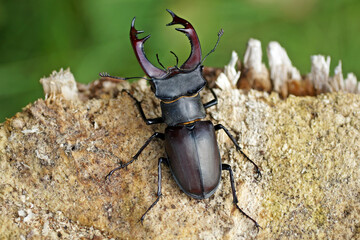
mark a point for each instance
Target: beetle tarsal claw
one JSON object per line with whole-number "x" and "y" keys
{"x": 108, "y": 176}
{"x": 257, "y": 227}
{"x": 258, "y": 174}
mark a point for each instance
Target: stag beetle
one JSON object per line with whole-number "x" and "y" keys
{"x": 190, "y": 143}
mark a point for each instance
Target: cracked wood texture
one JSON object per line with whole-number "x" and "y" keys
{"x": 56, "y": 153}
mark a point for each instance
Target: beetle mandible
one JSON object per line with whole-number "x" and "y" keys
{"x": 190, "y": 143}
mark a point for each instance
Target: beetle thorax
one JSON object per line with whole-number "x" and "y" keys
{"x": 185, "y": 109}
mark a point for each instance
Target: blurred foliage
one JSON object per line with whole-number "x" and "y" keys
{"x": 39, "y": 36}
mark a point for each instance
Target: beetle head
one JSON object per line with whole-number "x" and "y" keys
{"x": 174, "y": 82}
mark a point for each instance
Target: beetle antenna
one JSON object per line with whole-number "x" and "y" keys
{"x": 177, "y": 59}
{"x": 106, "y": 77}
{"x": 220, "y": 33}
{"x": 157, "y": 57}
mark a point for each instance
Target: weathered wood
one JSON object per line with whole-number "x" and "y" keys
{"x": 55, "y": 154}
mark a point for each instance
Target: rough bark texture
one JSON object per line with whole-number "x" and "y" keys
{"x": 56, "y": 153}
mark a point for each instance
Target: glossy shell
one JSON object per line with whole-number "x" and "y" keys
{"x": 185, "y": 109}
{"x": 194, "y": 158}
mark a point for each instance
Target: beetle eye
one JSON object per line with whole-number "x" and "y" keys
{"x": 152, "y": 87}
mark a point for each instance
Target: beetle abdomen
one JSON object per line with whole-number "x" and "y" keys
{"x": 194, "y": 158}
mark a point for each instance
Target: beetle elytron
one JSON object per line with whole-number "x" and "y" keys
{"x": 190, "y": 143}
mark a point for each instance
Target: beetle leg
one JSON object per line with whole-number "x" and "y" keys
{"x": 155, "y": 135}
{"x": 159, "y": 194}
{"x": 235, "y": 200}
{"x": 238, "y": 148}
{"x": 212, "y": 102}
{"x": 148, "y": 121}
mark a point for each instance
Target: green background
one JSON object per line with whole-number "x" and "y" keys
{"x": 92, "y": 36}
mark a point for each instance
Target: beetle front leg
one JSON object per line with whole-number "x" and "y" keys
{"x": 159, "y": 194}
{"x": 212, "y": 102}
{"x": 238, "y": 148}
{"x": 155, "y": 135}
{"x": 235, "y": 200}
{"x": 146, "y": 120}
